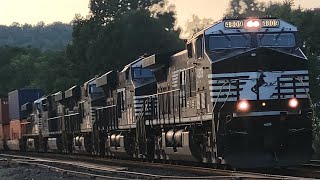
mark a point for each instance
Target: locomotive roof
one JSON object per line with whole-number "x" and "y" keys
{"x": 157, "y": 60}
{"x": 58, "y": 96}
{"x": 219, "y": 26}
{"x": 105, "y": 74}
{"x": 104, "y": 79}
{"x": 57, "y": 93}
{"x": 40, "y": 100}
{"x": 72, "y": 87}
{"x": 92, "y": 80}
{"x": 135, "y": 62}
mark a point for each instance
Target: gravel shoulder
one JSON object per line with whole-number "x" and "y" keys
{"x": 14, "y": 171}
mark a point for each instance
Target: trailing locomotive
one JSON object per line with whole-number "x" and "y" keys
{"x": 238, "y": 95}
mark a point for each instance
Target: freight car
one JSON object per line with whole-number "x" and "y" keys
{"x": 238, "y": 95}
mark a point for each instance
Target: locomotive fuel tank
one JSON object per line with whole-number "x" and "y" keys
{"x": 31, "y": 145}
{"x": 178, "y": 145}
{"x": 14, "y": 145}
{"x": 118, "y": 145}
{"x": 54, "y": 145}
{"x": 83, "y": 144}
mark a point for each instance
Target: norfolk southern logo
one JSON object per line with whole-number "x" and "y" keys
{"x": 262, "y": 82}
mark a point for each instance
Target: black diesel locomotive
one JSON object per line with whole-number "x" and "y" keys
{"x": 237, "y": 95}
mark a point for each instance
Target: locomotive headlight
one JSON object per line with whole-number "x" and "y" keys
{"x": 293, "y": 103}
{"x": 253, "y": 24}
{"x": 243, "y": 105}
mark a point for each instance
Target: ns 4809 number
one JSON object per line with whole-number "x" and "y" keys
{"x": 234, "y": 24}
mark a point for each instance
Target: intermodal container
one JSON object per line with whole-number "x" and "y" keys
{"x": 4, "y": 111}
{"x": 4, "y": 131}
{"x": 1, "y": 138}
{"x": 1, "y": 132}
{"x": 4, "y": 135}
{"x": 15, "y": 129}
{"x": 19, "y": 97}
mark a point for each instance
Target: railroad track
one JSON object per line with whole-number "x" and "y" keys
{"x": 313, "y": 164}
{"x": 126, "y": 169}
{"x": 307, "y": 170}
{"x": 311, "y": 169}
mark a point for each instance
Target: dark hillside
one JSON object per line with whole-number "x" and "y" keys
{"x": 54, "y": 36}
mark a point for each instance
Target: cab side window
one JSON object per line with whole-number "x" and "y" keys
{"x": 199, "y": 48}
{"x": 189, "y": 49}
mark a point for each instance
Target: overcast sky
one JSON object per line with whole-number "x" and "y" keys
{"x": 33, "y": 11}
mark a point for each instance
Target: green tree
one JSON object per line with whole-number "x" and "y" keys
{"x": 118, "y": 32}
{"x": 245, "y": 8}
{"x": 52, "y": 72}
{"x": 29, "y": 67}
{"x": 17, "y": 69}
{"x": 196, "y": 24}
{"x": 53, "y": 36}
{"x": 106, "y": 11}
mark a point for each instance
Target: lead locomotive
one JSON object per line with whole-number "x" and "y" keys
{"x": 238, "y": 95}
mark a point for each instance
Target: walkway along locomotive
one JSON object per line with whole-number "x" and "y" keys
{"x": 237, "y": 95}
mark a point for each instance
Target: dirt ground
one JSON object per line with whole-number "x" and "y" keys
{"x": 14, "y": 171}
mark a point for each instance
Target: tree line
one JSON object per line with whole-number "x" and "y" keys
{"x": 53, "y": 36}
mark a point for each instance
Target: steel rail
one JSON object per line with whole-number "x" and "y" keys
{"x": 215, "y": 173}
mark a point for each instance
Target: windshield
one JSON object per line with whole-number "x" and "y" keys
{"x": 93, "y": 89}
{"x": 139, "y": 73}
{"x": 229, "y": 41}
{"x": 277, "y": 40}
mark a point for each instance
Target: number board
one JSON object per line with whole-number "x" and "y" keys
{"x": 270, "y": 22}
{"x": 264, "y": 23}
{"x": 234, "y": 24}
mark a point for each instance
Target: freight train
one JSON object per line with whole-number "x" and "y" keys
{"x": 237, "y": 95}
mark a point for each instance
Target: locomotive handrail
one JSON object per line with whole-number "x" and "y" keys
{"x": 105, "y": 107}
{"x": 54, "y": 117}
{"x": 140, "y": 128}
{"x": 230, "y": 82}
{"x": 226, "y": 97}
{"x": 157, "y": 95}
{"x": 166, "y": 92}
{"x": 214, "y": 132}
{"x": 185, "y": 69}
{"x": 310, "y": 100}
{"x": 74, "y": 114}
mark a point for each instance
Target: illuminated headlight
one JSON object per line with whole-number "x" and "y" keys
{"x": 243, "y": 106}
{"x": 253, "y": 24}
{"x": 293, "y": 103}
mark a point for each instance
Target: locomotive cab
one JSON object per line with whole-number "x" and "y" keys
{"x": 52, "y": 134}
{"x": 36, "y": 124}
{"x": 243, "y": 86}
{"x": 134, "y": 90}
{"x": 259, "y": 90}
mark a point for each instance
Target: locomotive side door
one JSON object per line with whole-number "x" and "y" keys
{"x": 121, "y": 106}
{"x": 199, "y": 79}
{"x": 188, "y": 92}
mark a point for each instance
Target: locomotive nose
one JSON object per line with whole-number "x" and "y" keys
{"x": 261, "y": 58}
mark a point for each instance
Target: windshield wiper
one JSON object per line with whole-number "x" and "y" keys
{"x": 264, "y": 34}
{"x": 242, "y": 34}
{"x": 224, "y": 35}
{"x": 279, "y": 33}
